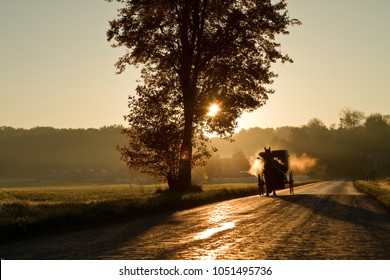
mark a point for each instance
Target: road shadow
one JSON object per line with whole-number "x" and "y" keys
{"x": 330, "y": 207}
{"x": 93, "y": 243}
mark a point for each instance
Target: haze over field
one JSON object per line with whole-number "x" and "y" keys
{"x": 53, "y": 155}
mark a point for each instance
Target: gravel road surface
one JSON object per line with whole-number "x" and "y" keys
{"x": 326, "y": 220}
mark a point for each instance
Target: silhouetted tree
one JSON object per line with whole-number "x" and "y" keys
{"x": 377, "y": 122}
{"x": 377, "y": 127}
{"x": 350, "y": 118}
{"x": 154, "y": 137}
{"x": 234, "y": 166}
{"x": 240, "y": 163}
{"x": 316, "y": 124}
{"x": 198, "y": 52}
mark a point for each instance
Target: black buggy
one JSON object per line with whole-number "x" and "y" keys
{"x": 274, "y": 174}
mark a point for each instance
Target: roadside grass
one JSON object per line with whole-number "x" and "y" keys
{"x": 379, "y": 189}
{"x": 28, "y": 211}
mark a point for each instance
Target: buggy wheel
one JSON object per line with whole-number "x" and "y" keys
{"x": 291, "y": 182}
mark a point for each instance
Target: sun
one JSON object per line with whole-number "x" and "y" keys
{"x": 213, "y": 110}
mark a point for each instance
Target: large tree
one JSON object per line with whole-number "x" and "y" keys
{"x": 198, "y": 52}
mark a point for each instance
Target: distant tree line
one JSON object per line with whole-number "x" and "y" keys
{"x": 236, "y": 165}
{"x": 58, "y": 155}
{"x": 358, "y": 147}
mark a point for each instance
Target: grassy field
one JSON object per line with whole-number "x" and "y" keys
{"x": 33, "y": 210}
{"x": 380, "y": 189}
{"x": 36, "y": 210}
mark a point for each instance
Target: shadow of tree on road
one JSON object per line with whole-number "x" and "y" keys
{"x": 93, "y": 243}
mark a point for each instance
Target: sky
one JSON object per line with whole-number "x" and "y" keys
{"x": 57, "y": 68}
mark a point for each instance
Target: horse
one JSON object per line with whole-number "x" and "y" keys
{"x": 274, "y": 175}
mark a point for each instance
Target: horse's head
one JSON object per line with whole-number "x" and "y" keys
{"x": 267, "y": 155}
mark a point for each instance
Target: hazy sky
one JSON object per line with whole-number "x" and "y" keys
{"x": 57, "y": 69}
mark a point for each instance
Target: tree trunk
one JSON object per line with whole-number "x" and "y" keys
{"x": 184, "y": 174}
{"x": 188, "y": 81}
{"x": 173, "y": 184}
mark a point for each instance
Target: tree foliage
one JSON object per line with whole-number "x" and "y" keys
{"x": 350, "y": 118}
{"x": 195, "y": 53}
{"x": 154, "y": 137}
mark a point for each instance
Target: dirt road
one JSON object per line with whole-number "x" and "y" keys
{"x": 327, "y": 220}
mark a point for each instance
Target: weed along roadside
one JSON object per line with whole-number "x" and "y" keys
{"x": 379, "y": 189}
{"x": 33, "y": 211}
